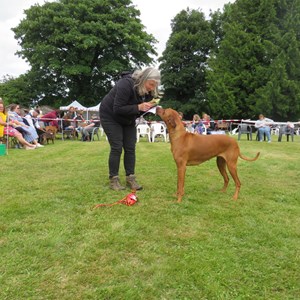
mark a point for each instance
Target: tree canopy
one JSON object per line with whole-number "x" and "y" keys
{"x": 183, "y": 63}
{"x": 256, "y": 68}
{"x": 250, "y": 61}
{"x": 240, "y": 62}
{"x": 76, "y": 49}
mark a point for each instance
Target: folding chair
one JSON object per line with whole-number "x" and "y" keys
{"x": 158, "y": 129}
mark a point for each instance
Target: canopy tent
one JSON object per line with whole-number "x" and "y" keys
{"x": 93, "y": 108}
{"x": 75, "y": 104}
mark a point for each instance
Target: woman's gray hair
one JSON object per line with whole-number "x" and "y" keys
{"x": 141, "y": 76}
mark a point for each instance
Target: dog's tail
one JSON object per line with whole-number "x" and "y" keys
{"x": 249, "y": 159}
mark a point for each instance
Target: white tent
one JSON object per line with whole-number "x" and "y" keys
{"x": 75, "y": 104}
{"x": 94, "y": 108}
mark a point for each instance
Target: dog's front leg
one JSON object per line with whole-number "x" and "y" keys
{"x": 181, "y": 169}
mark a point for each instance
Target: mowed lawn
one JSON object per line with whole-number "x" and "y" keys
{"x": 54, "y": 246}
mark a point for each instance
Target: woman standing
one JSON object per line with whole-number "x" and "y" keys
{"x": 118, "y": 111}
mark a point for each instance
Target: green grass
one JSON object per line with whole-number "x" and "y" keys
{"x": 53, "y": 246}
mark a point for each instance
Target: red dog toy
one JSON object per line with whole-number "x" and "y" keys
{"x": 128, "y": 200}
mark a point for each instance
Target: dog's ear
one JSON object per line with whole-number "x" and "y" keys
{"x": 171, "y": 121}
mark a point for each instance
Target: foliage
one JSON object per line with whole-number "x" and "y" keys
{"x": 239, "y": 63}
{"x": 183, "y": 63}
{"x": 216, "y": 20}
{"x": 249, "y": 63}
{"x": 256, "y": 67}
{"x": 17, "y": 90}
{"x": 77, "y": 48}
{"x": 53, "y": 246}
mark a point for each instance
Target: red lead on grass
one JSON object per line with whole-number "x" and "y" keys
{"x": 128, "y": 200}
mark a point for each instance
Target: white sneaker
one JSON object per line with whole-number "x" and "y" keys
{"x": 38, "y": 145}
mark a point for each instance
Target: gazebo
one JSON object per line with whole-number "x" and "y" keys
{"x": 75, "y": 104}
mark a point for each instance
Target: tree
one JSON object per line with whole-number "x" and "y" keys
{"x": 255, "y": 69}
{"x": 16, "y": 90}
{"x": 183, "y": 63}
{"x": 77, "y": 48}
{"x": 281, "y": 93}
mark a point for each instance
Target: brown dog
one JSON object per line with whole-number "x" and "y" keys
{"x": 192, "y": 149}
{"x": 49, "y": 134}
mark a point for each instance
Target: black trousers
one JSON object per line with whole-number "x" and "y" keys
{"x": 120, "y": 137}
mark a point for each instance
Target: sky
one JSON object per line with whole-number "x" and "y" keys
{"x": 156, "y": 16}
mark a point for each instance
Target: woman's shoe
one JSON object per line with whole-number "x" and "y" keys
{"x": 131, "y": 182}
{"x": 114, "y": 184}
{"x": 29, "y": 148}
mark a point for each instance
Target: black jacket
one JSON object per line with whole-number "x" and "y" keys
{"x": 121, "y": 103}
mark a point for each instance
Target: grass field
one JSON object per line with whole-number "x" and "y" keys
{"x": 53, "y": 246}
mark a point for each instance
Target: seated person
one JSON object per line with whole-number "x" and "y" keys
{"x": 67, "y": 122}
{"x": 7, "y": 128}
{"x": 72, "y": 112}
{"x": 79, "y": 117}
{"x": 31, "y": 118}
{"x": 290, "y": 127}
{"x": 208, "y": 123}
{"x": 29, "y": 133}
{"x": 263, "y": 127}
{"x": 51, "y": 118}
{"x": 78, "y": 121}
{"x": 88, "y": 129}
{"x": 197, "y": 124}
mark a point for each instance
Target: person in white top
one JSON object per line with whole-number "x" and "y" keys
{"x": 263, "y": 126}
{"x": 31, "y": 118}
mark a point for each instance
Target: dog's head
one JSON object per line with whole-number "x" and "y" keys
{"x": 169, "y": 116}
{"x": 49, "y": 134}
{"x": 51, "y": 129}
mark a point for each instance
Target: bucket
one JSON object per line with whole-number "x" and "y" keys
{"x": 2, "y": 149}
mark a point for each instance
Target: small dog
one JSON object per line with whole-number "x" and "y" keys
{"x": 191, "y": 149}
{"x": 47, "y": 136}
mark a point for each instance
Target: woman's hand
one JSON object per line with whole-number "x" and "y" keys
{"x": 145, "y": 106}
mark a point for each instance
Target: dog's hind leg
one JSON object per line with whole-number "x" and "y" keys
{"x": 233, "y": 172}
{"x": 221, "y": 163}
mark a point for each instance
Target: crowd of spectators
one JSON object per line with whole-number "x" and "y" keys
{"x": 27, "y": 126}
{"x": 199, "y": 125}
